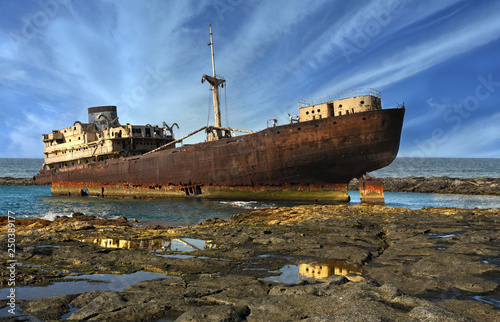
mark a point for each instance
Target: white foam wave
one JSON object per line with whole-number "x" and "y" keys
{"x": 246, "y": 204}
{"x": 51, "y": 215}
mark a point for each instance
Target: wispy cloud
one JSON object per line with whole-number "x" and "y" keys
{"x": 480, "y": 138}
{"x": 148, "y": 57}
{"x": 422, "y": 56}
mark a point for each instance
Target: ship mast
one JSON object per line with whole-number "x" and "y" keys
{"x": 215, "y": 82}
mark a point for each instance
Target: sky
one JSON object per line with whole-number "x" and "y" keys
{"x": 439, "y": 58}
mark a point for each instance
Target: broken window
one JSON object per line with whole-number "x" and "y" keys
{"x": 330, "y": 109}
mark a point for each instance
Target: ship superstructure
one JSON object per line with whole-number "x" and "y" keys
{"x": 342, "y": 103}
{"x": 102, "y": 138}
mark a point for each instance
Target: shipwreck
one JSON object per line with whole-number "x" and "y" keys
{"x": 332, "y": 140}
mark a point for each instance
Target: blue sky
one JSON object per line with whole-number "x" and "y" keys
{"x": 441, "y": 58}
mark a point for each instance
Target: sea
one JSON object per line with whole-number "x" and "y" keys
{"x": 37, "y": 201}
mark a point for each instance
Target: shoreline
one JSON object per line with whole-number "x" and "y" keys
{"x": 390, "y": 264}
{"x": 442, "y": 185}
{"x": 10, "y": 181}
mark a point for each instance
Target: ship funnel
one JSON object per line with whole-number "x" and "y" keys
{"x": 102, "y": 116}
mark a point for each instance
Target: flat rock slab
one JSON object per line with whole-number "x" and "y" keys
{"x": 435, "y": 264}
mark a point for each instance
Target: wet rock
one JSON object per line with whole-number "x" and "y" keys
{"x": 436, "y": 313}
{"x": 48, "y": 308}
{"x": 455, "y": 271}
{"x": 61, "y": 219}
{"x": 9, "y": 181}
{"x": 84, "y": 299}
{"x": 241, "y": 239}
{"x": 121, "y": 220}
{"x": 476, "y": 310}
{"x": 269, "y": 240}
{"x": 216, "y": 313}
{"x": 103, "y": 302}
{"x": 33, "y": 223}
{"x": 324, "y": 287}
{"x": 233, "y": 289}
{"x": 81, "y": 226}
{"x": 334, "y": 280}
{"x": 82, "y": 217}
{"x": 346, "y": 302}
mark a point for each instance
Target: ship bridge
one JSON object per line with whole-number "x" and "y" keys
{"x": 102, "y": 138}
{"x": 341, "y": 103}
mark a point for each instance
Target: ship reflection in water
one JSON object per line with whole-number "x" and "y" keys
{"x": 293, "y": 274}
{"x": 322, "y": 269}
{"x": 290, "y": 274}
{"x": 174, "y": 244}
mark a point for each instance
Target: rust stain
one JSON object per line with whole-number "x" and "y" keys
{"x": 332, "y": 192}
{"x": 371, "y": 190}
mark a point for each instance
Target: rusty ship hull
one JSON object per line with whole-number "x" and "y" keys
{"x": 313, "y": 160}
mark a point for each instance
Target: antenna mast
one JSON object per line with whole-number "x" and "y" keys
{"x": 215, "y": 82}
{"x": 211, "y": 43}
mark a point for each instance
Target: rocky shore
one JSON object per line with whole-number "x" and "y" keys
{"x": 442, "y": 185}
{"x": 9, "y": 181}
{"x": 311, "y": 263}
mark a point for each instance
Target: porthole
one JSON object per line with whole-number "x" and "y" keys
{"x": 364, "y": 118}
{"x": 307, "y": 113}
{"x": 319, "y": 110}
{"x": 312, "y": 111}
{"x": 340, "y": 105}
{"x": 362, "y": 102}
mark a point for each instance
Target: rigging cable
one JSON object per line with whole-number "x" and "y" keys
{"x": 209, "y": 106}
{"x": 225, "y": 103}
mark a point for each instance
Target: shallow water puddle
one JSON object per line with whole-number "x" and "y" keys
{"x": 76, "y": 285}
{"x": 444, "y": 235}
{"x": 174, "y": 244}
{"x": 189, "y": 245}
{"x": 179, "y": 256}
{"x": 293, "y": 274}
{"x": 491, "y": 260}
{"x": 322, "y": 269}
{"x": 289, "y": 275}
{"x": 490, "y": 299}
{"x": 72, "y": 309}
